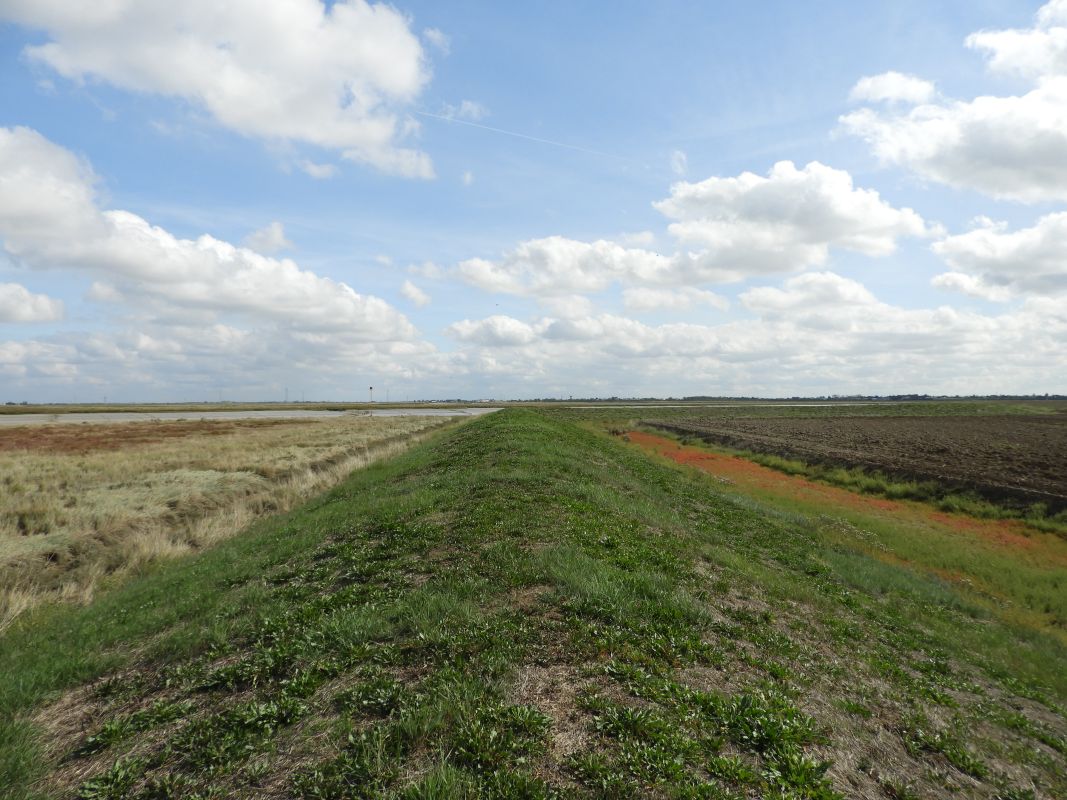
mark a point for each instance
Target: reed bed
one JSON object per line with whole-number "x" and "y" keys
{"x": 85, "y": 504}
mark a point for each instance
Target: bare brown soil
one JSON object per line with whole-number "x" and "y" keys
{"x": 1013, "y": 459}
{"x": 90, "y": 437}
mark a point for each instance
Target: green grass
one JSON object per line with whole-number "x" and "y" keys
{"x": 1021, "y": 582}
{"x": 521, "y": 608}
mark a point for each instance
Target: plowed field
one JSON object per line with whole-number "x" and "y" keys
{"x": 1015, "y": 459}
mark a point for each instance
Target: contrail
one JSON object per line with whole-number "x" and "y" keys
{"x": 528, "y": 138}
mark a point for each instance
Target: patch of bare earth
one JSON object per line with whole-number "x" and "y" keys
{"x": 90, "y": 437}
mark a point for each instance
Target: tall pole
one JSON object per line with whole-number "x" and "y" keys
{"x": 371, "y": 390}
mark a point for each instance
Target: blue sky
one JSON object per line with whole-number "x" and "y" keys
{"x": 447, "y": 259}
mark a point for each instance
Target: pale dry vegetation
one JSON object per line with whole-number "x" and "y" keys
{"x": 84, "y": 503}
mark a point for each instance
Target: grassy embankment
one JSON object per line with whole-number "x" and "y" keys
{"x": 521, "y": 608}
{"x": 1014, "y": 571}
{"x": 81, "y": 504}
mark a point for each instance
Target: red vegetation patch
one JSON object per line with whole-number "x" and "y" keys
{"x": 89, "y": 437}
{"x": 1007, "y": 532}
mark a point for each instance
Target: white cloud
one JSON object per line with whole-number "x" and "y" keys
{"x": 495, "y": 331}
{"x": 1007, "y": 147}
{"x": 819, "y": 300}
{"x": 971, "y": 286}
{"x": 815, "y": 334}
{"x": 810, "y": 290}
{"x": 1034, "y": 53}
{"x": 560, "y": 266}
{"x": 638, "y": 239}
{"x": 569, "y": 306}
{"x": 674, "y": 300}
{"x": 49, "y": 219}
{"x": 319, "y": 172}
{"x": 414, "y": 294}
{"x": 743, "y": 226}
{"x": 336, "y": 77}
{"x": 185, "y": 361}
{"x": 679, "y": 163}
{"x": 438, "y": 39}
{"x": 893, "y": 87}
{"x": 467, "y": 109}
{"x": 269, "y": 240}
{"x": 427, "y": 269}
{"x": 993, "y": 262}
{"x": 786, "y": 221}
{"x": 467, "y": 178}
{"x": 18, "y": 304}
{"x": 1011, "y": 147}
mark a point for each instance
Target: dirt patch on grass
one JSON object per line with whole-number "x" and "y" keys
{"x": 554, "y": 689}
{"x": 528, "y": 599}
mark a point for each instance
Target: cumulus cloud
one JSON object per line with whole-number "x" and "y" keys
{"x": 733, "y": 228}
{"x": 19, "y": 304}
{"x": 640, "y": 299}
{"x": 334, "y": 76}
{"x": 269, "y": 239}
{"x": 1012, "y": 147}
{"x": 414, "y": 294}
{"x": 198, "y": 361}
{"x": 815, "y": 300}
{"x": 557, "y": 265}
{"x": 1007, "y": 147}
{"x": 893, "y": 87}
{"x": 814, "y": 332}
{"x": 807, "y": 291}
{"x": 49, "y": 218}
{"x": 971, "y": 286}
{"x": 785, "y": 221}
{"x": 495, "y": 331}
{"x": 993, "y": 262}
{"x": 1035, "y": 53}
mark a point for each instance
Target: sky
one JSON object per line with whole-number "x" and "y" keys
{"x": 254, "y": 201}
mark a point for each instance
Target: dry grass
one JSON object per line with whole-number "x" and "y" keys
{"x": 112, "y": 498}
